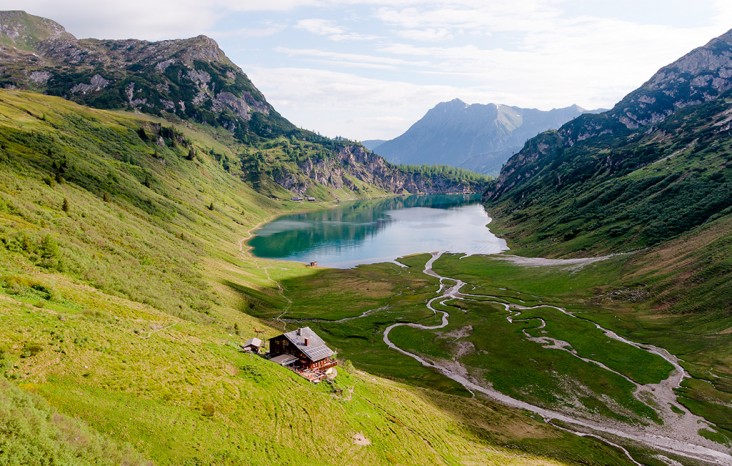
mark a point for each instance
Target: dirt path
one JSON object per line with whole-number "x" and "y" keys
{"x": 679, "y": 434}
{"x": 280, "y": 289}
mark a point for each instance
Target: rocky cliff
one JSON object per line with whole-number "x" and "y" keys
{"x": 354, "y": 162}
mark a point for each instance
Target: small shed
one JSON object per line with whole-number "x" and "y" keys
{"x": 252, "y": 345}
{"x": 306, "y": 346}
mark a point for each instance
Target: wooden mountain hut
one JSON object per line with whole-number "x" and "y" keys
{"x": 305, "y": 345}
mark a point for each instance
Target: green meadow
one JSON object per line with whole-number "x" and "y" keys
{"x": 491, "y": 348}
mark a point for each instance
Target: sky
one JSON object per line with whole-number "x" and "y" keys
{"x": 369, "y": 69}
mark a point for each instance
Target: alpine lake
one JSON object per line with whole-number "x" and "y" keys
{"x": 371, "y": 231}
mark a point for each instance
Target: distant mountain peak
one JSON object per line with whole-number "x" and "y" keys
{"x": 479, "y": 137}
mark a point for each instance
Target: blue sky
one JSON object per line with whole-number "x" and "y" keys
{"x": 369, "y": 69}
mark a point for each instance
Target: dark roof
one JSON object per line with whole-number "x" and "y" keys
{"x": 284, "y": 359}
{"x": 315, "y": 349}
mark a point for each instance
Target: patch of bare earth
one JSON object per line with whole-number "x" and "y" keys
{"x": 360, "y": 439}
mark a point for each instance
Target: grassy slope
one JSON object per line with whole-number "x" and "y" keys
{"x": 121, "y": 298}
{"x": 677, "y": 295}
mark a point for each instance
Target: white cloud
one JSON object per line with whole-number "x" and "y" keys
{"x": 321, "y": 27}
{"x": 151, "y": 20}
{"x": 330, "y": 29}
{"x": 426, "y": 35}
{"x": 349, "y": 59}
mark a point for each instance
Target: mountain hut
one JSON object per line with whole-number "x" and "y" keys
{"x": 301, "y": 349}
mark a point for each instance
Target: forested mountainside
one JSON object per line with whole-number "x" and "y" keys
{"x": 193, "y": 80}
{"x": 655, "y": 166}
{"x": 476, "y": 137}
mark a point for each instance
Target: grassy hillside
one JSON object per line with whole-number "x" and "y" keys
{"x": 122, "y": 291}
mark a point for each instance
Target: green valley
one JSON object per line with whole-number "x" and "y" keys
{"x": 133, "y": 174}
{"x": 125, "y": 292}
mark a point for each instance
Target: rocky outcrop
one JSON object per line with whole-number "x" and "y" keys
{"x": 354, "y": 163}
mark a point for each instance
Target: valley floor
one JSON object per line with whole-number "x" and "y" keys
{"x": 505, "y": 338}
{"x": 679, "y": 432}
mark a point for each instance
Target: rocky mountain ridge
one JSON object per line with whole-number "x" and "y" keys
{"x": 478, "y": 137}
{"x": 656, "y": 166}
{"x": 190, "y": 80}
{"x": 702, "y": 75}
{"x": 186, "y": 78}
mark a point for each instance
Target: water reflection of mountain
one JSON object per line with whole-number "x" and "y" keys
{"x": 350, "y": 223}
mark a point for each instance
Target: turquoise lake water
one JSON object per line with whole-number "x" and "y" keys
{"x": 366, "y": 232}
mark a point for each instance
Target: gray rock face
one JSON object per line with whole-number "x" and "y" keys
{"x": 96, "y": 84}
{"x": 356, "y": 162}
{"x": 477, "y": 137}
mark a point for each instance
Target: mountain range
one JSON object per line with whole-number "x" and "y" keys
{"x": 654, "y": 166}
{"x": 193, "y": 80}
{"x": 476, "y": 137}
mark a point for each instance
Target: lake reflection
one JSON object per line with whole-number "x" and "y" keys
{"x": 365, "y": 232}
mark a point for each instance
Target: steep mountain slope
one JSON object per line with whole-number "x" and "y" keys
{"x": 192, "y": 79}
{"x": 477, "y": 137}
{"x": 656, "y": 165}
{"x": 122, "y": 286}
